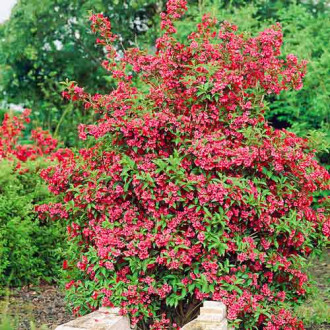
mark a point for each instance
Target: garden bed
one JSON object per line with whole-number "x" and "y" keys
{"x": 42, "y": 307}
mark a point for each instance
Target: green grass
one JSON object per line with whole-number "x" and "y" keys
{"x": 10, "y": 323}
{"x": 316, "y": 310}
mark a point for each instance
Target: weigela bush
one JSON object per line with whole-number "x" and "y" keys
{"x": 12, "y": 130}
{"x": 185, "y": 192}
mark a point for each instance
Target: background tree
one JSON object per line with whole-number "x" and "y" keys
{"x": 47, "y": 42}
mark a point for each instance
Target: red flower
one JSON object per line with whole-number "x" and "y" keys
{"x": 65, "y": 264}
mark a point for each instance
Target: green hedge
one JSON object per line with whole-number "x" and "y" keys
{"x": 30, "y": 249}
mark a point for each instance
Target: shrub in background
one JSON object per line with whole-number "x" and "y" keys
{"x": 11, "y": 131}
{"x": 30, "y": 249}
{"x": 185, "y": 192}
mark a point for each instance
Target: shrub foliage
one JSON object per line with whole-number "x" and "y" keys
{"x": 184, "y": 192}
{"x": 30, "y": 249}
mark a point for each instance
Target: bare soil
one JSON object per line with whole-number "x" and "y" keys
{"x": 44, "y": 306}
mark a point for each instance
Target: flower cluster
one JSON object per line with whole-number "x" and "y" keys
{"x": 11, "y": 132}
{"x": 185, "y": 192}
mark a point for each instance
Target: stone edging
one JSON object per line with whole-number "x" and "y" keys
{"x": 212, "y": 317}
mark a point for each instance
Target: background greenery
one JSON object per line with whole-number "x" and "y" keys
{"x": 31, "y": 250}
{"x": 45, "y": 42}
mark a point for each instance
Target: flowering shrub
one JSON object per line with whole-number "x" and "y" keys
{"x": 185, "y": 192}
{"x": 11, "y": 131}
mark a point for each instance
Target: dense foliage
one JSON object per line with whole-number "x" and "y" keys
{"x": 30, "y": 249}
{"x": 184, "y": 192}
